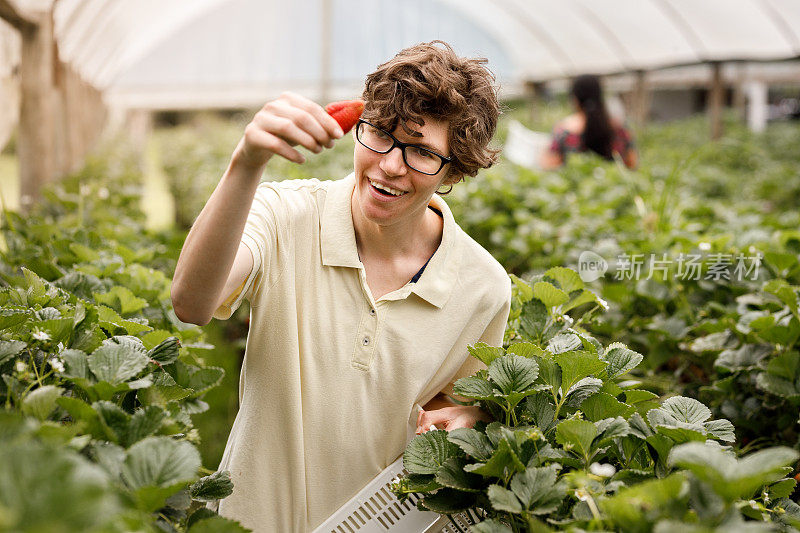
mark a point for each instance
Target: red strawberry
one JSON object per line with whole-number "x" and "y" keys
{"x": 345, "y": 112}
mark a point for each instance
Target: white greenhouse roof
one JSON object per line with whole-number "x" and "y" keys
{"x": 193, "y": 53}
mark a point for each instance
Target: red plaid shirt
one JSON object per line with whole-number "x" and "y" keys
{"x": 565, "y": 142}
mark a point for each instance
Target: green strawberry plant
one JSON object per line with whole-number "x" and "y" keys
{"x": 756, "y": 357}
{"x": 575, "y": 441}
{"x": 689, "y": 196}
{"x": 100, "y": 380}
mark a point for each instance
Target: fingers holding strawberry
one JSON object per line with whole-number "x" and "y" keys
{"x": 284, "y": 123}
{"x": 316, "y": 120}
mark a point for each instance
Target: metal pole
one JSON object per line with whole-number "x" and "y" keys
{"x": 715, "y": 101}
{"x": 641, "y": 102}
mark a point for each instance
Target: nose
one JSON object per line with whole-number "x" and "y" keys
{"x": 392, "y": 163}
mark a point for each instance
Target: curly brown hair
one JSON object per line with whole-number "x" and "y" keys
{"x": 429, "y": 80}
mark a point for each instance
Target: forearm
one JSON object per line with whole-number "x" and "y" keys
{"x": 204, "y": 266}
{"x": 439, "y": 401}
{"x": 210, "y": 248}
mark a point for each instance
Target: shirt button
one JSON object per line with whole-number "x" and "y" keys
{"x": 372, "y": 312}
{"x": 365, "y": 341}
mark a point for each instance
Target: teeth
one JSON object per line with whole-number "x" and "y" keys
{"x": 386, "y": 188}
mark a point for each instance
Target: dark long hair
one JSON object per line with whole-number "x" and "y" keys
{"x": 598, "y": 134}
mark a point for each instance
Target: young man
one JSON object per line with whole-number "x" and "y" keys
{"x": 364, "y": 292}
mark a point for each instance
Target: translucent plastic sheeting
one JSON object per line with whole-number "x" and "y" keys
{"x": 224, "y": 48}
{"x": 103, "y": 38}
{"x": 559, "y": 39}
{"x": 786, "y": 15}
{"x": 242, "y": 51}
{"x": 733, "y": 29}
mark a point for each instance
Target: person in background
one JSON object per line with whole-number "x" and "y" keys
{"x": 590, "y": 128}
{"x": 364, "y": 292}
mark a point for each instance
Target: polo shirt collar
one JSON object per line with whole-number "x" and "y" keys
{"x": 338, "y": 244}
{"x": 440, "y": 276}
{"x": 337, "y": 233}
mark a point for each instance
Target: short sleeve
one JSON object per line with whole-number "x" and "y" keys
{"x": 623, "y": 141}
{"x": 263, "y": 233}
{"x": 232, "y": 303}
{"x": 493, "y": 336}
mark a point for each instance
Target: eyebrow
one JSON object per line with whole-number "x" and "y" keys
{"x": 430, "y": 147}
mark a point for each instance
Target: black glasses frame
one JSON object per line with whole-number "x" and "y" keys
{"x": 444, "y": 160}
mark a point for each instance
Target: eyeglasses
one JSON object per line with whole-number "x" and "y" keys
{"x": 416, "y": 157}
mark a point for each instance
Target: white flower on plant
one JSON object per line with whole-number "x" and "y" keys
{"x": 57, "y": 364}
{"x": 20, "y": 367}
{"x": 602, "y": 470}
{"x": 84, "y": 190}
{"x": 603, "y": 303}
{"x": 705, "y": 246}
{"x": 102, "y": 193}
{"x": 40, "y": 335}
{"x": 582, "y": 494}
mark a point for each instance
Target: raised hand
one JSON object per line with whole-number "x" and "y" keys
{"x": 283, "y": 123}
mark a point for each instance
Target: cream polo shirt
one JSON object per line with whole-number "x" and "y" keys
{"x": 331, "y": 377}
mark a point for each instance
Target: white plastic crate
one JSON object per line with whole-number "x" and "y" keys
{"x": 376, "y": 510}
{"x": 525, "y": 147}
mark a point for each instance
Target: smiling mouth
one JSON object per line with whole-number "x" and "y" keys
{"x": 385, "y": 189}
